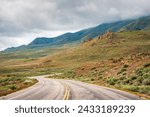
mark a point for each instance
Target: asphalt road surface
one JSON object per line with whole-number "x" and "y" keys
{"x": 53, "y": 89}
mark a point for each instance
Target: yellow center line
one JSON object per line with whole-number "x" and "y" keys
{"x": 67, "y": 93}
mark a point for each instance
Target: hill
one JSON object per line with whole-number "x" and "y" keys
{"x": 119, "y": 60}
{"x": 107, "y": 46}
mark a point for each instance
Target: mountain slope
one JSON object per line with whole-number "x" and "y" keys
{"x": 121, "y": 61}
{"x": 139, "y": 24}
{"x": 77, "y": 37}
{"x": 81, "y": 35}
{"x": 120, "y": 45}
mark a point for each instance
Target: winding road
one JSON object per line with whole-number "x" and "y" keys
{"x": 54, "y": 89}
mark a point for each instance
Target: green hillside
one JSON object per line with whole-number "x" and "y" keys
{"x": 121, "y": 45}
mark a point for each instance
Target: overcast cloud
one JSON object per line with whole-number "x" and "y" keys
{"x": 23, "y": 20}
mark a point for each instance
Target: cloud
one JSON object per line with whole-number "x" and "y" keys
{"x": 29, "y": 17}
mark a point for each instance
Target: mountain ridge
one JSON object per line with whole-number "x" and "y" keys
{"x": 79, "y": 36}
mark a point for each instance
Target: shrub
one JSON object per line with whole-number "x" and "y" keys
{"x": 92, "y": 79}
{"x": 124, "y": 74}
{"x": 93, "y": 68}
{"x": 139, "y": 72}
{"x": 122, "y": 70}
{"x": 133, "y": 77}
{"x": 100, "y": 77}
{"x": 140, "y": 79}
{"x": 125, "y": 66}
{"x": 112, "y": 81}
{"x": 137, "y": 83}
{"x": 131, "y": 88}
{"x": 123, "y": 78}
{"x": 145, "y": 90}
{"x": 147, "y": 65}
{"x": 69, "y": 73}
{"x": 146, "y": 82}
{"x": 127, "y": 81}
{"x": 146, "y": 76}
{"x": 12, "y": 87}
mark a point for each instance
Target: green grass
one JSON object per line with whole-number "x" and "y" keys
{"x": 12, "y": 84}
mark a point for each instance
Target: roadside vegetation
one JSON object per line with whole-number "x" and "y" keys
{"x": 138, "y": 81}
{"x": 13, "y": 83}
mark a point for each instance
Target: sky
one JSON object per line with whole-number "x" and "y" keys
{"x": 21, "y": 21}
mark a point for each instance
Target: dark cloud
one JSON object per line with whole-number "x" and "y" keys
{"x": 19, "y": 17}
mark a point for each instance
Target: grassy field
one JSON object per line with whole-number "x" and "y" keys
{"x": 121, "y": 61}
{"x": 15, "y": 67}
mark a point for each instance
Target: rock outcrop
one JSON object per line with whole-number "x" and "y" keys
{"x": 108, "y": 35}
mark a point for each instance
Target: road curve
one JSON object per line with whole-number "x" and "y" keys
{"x": 54, "y": 89}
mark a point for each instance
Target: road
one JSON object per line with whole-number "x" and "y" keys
{"x": 54, "y": 89}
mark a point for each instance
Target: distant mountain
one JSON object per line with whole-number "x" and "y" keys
{"x": 81, "y": 35}
{"x": 77, "y": 37}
